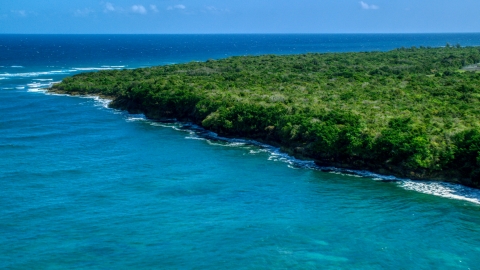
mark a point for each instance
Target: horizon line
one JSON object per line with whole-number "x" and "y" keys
{"x": 340, "y": 33}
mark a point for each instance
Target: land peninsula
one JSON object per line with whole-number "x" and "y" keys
{"x": 410, "y": 112}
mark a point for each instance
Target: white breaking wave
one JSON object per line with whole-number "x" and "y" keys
{"x": 36, "y": 84}
{"x": 3, "y": 78}
{"x": 17, "y": 66}
{"x": 113, "y": 66}
{"x": 257, "y": 151}
{"x": 228, "y": 144}
{"x": 136, "y": 117}
{"x": 442, "y": 189}
{"x": 90, "y": 69}
{"x": 56, "y": 94}
{"x": 33, "y": 74}
{"x": 195, "y": 138}
{"x": 37, "y": 90}
{"x": 39, "y": 85}
{"x": 57, "y": 72}
{"x": 98, "y": 101}
{"x": 102, "y": 102}
{"x": 97, "y": 68}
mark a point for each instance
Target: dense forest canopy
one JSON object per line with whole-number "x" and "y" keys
{"x": 412, "y": 112}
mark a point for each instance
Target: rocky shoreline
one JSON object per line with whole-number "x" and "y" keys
{"x": 411, "y": 113}
{"x": 296, "y": 151}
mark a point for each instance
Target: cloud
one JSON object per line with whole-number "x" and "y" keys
{"x": 176, "y": 7}
{"x": 139, "y": 9}
{"x": 109, "y": 7}
{"x": 21, "y": 13}
{"x": 154, "y": 8}
{"x": 213, "y": 9}
{"x": 367, "y": 6}
{"x": 83, "y": 12}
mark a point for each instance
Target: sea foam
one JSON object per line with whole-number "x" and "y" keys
{"x": 33, "y": 74}
{"x": 58, "y": 72}
{"x": 100, "y": 102}
{"x": 113, "y": 66}
{"x": 136, "y": 117}
{"x": 97, "y": 68}
{"x": 37, "y": 90}
{"x": 442, "y": 189}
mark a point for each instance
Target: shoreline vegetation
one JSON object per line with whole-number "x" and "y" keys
{"x": 411, "y": 112}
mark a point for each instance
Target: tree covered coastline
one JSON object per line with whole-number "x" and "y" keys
{"x": 411, "y": 112}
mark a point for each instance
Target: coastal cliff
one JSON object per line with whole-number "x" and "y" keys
{"x": 412, "y": 112}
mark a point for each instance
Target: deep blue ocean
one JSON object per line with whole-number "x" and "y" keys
{"x": 83, "y": 186}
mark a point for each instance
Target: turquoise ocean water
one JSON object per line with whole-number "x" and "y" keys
{"x": 88, "y": 187}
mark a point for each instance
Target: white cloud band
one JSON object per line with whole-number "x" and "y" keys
{"x": 367, "y": 6}
{"x": 139, "y": 9}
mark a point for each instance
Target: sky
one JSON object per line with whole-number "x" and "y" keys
{"x": 238, "y": 16}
